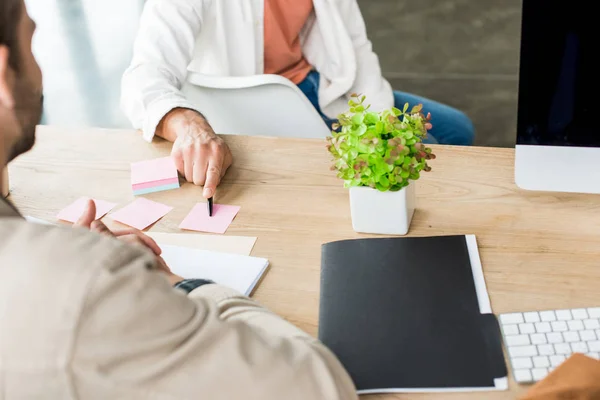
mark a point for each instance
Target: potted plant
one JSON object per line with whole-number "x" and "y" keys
{"x": 379, "y": 155}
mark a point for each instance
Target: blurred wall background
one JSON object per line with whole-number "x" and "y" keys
{"x": 461, "y": 52}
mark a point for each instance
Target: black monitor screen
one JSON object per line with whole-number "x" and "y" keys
{"x": 559, "y": 82}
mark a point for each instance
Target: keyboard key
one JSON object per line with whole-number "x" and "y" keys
{"x": 554, "y": 337}
{"x": 517, "y": 340}
{"x": 575, "y": 325}
{"x": 522, "y": 375}
{"x": 539, "y": 373}
{"x": 510, "y": 329}
{"x": 594, "y": 354}
{"x": 579, "y": 347}
{"x": 541, "y": 362}
{"x": 555, "y": 361}
{"x": 591, "y": 324}
{"x": 594, "y": 312}
{"x": 538, "y": 338}
{"x": 546, "y": 350}
{"x": 547, "y": 316}
{"x": 559, "y": 326}
{"x": 514, "y": 318}
{"x": 571, "y": 337}
{"x": 562, "y": 348}
{"x": 586, "y": 336}
{"x": 543, "y": 327}
{"x": 526, "y": 328}
{"x": 523, "y": 351}
{"x": 594, "y": 345}
{"x": 521, "y": 362}
{"x": 532, "y": 317}
{"x": 563, "y": 315}
{"x": 580, "y": 313}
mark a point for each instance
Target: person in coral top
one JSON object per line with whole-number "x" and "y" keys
{"x": 320, "y": 45}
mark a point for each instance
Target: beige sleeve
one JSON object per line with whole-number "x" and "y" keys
{"x": 140, "y": 337}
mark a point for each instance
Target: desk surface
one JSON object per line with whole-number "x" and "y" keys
{"x": 539, "y": 250}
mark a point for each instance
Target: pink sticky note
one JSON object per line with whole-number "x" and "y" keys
{"x": 72, "y": 212}
{"x": 141, "y": 213}
{"x": 198, "y": 219}
{"x": 159, "y": 169}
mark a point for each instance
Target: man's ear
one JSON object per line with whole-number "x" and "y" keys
{"x": 6, "y": 96}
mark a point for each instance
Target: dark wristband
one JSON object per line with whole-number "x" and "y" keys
{"x": 188, "y": 285}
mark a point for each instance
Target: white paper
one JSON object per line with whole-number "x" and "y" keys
{"x": 483, "y": 297}
{"x": 485, "y": 307}
{"x": 238, "y": 272}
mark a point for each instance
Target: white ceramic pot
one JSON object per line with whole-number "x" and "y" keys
{"x": 388, "y": 213}
{"x": 5, "y": 185}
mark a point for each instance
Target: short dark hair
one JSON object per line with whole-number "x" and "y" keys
{"x": 10, "y": 17}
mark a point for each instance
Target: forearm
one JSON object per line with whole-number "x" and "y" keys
{"x": 180, "y": 121}
{"x": 146, "y": 336}
{"x": 163, "y": 49}
{"x": 329, "y": 378}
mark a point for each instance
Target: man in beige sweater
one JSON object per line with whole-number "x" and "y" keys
{"x": 86, "y": 313}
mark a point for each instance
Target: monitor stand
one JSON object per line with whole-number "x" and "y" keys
{"x": 558, "y": 168}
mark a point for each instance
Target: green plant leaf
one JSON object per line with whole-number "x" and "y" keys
{"x": 371, "y": 118}
{"x": 417, "y": 109}
{"x": 381, "y": 188}
{"x": 361, "y": 130}
{"x": 405, "y": 107}
{"x": 358, "y": 118}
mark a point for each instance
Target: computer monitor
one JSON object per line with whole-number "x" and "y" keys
{"x": 558, "y": 132}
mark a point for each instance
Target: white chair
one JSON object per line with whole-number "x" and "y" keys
{"x": 258, "y": 105}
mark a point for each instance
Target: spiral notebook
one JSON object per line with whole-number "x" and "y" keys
{"x": 410, "y": 315}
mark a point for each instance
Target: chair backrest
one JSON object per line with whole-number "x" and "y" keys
{"x": 259, "y": 105}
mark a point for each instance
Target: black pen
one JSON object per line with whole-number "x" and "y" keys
{"x": 210, "y": 206}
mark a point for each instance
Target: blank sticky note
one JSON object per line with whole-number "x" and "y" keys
{"x": 198, "y": 219}
{"x": 72, "y": 212}
{"x": 141, "y": 213}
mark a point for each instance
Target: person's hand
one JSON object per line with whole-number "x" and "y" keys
{"x": 131, "y": 236}
{"x": 200, "y": 155}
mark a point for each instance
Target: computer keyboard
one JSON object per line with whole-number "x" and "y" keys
{"x": 539, "y": 341}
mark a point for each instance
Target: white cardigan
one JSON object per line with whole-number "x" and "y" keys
{"x": 225, "y": 38}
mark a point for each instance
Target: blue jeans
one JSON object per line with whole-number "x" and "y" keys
{"x": 450, "y": 126}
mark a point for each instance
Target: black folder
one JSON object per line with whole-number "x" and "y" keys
{"x": 403, "y": 314}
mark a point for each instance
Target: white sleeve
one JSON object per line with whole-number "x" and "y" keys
{"x": 369, "y": 79}
{"x": 163, "y": 49}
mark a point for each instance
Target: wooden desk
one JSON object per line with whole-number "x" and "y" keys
{"x": 539, "y": 250}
